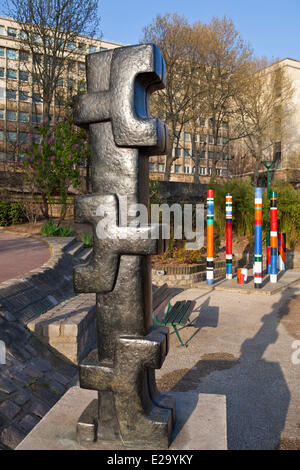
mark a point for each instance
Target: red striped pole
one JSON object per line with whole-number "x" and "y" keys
{"x": 228, "y": 236}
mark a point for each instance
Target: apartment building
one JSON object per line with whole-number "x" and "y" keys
{"x": 285, "y": 153}
{"x": 201, "y": 143}
{"x": 21, "y": 104}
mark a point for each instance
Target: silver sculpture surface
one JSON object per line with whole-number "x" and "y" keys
{"x": 129, "y": 408}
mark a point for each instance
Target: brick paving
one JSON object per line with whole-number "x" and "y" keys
{"x": 28, "y": 253}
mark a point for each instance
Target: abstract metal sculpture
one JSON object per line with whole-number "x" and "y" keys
{"x": 129, "y": 408}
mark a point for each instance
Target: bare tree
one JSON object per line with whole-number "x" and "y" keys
{"x": 49, "y": 29}
{"x": 223, "y": 57}
{"x": 174, "y": 104}
{"x": 263, "y": 106}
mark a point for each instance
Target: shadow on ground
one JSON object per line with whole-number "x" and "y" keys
{"x": 256, "y": 392}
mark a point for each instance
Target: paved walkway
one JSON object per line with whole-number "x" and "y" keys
{"x": 19, "y": 255}
{"x": 242, "y": 346}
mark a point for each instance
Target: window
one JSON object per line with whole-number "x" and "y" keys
{"x": 72, "y": 84}
{"x": 196, "y": 137}
{"x": 2, "y": 156}
{"x": 2, "y": 30}
{"x": 11, "y": 115}
{"x": 37, "y": 58}
{"x": 35, "y": 78}
{"x": 2, "y": 52}
{"x": 11, "y": 53}
{"x": 36, "y": 138}
{"x": 177, "y": 152}
{"x": 9, "y": 156}
{"x": 12, "y": 74}
{"x": 71, "y": 45}
{"x": 36, "y": 118}
{"x": 177, "y": 168}
{"x": 11, "y": 95}
{"x": 1, "y": 72}
{"x": 186, "y": 169}
{"x": 2, "y": 95}
{"x": 48, "y": 41}
{"x": 186, "y": 153}
{"x": 209, "y": 171}
{"x": 161, "y": 167}
{"x": 202, "y": 170}
{"x": 219, "y": 141}
{"x": 225, "y": 140}
{"x": 187, "y": 136}
{"x": 177, "y": 134}
{"x": 24, "y": 56}
{"x": 23, "y": 35}
{"x": 224, "y": 124}
{"x": 11, "y": 136}
{"x": 36, "y": 38}
{"x": 1, "y": 135}
{"x": 203, "y": 138}
{"x": 23, "y": 117}
{"x": 151, "y": 167}
{"x": 12, "y": 32}
{"x": 193, "y": 169}
{"x": 210, "y": 155}
{"x": 23, "y": 76}
{"x": 225, "y": 156}
{"x": 36, "y": 98}
{"x": 1, "y": 113}
{"x": 23, "y": 96}
{"x": 203, "y": 154}
{"x": 202, "y": 122}
{"x": 23, "y": 136}
{"x": 81, "y": 46}
{"x": 218, "y": 171}
{"x": 211, "y": 139}
{"x": 60, "y": 82}
{"x": 92, "y": 49}
{"x": 81, "y": 66}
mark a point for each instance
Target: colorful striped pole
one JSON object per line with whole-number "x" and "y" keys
{"x": 282, "y": 251}
{"x": 210, "y": 238}
{"x": 228, "y": 236}
{"x": 273, "y": 236}
{"x": 258, "y": 238}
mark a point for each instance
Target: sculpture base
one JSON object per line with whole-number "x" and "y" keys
{"x": 200, "y": 424}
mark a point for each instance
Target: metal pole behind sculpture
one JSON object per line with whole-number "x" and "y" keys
{"x": 273, "y": 237}
{"x": 228, "y": 236}
{"x": 258, "y": 238}
{"x": 210, "y": 238}
{"x": 122, "y": 136}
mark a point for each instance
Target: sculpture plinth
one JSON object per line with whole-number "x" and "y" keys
{"x": 122, "y": 137}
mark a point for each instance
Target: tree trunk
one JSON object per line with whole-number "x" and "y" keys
{"x": 169, "y": 160}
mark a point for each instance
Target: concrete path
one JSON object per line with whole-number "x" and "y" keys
{"x": 19, "y": 255}
{"x": 243, "y": 346}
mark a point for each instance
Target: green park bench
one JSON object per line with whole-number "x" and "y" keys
{"x": 176, "y": 315}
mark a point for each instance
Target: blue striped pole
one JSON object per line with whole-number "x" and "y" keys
{"x": 258, "y": 239}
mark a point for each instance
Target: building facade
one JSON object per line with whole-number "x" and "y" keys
{"x": 21, "y": 111}
{"x": 21, "y": 104}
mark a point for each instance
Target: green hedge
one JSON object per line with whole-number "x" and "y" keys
{"x": 10, "y": 213}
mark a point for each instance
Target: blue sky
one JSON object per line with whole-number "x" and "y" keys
{"x": 272, "y": 27}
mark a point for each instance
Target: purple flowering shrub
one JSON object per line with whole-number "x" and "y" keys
{"x": 52, "y": 165}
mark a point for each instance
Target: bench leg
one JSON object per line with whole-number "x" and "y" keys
{"x": 178, "y": 336}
